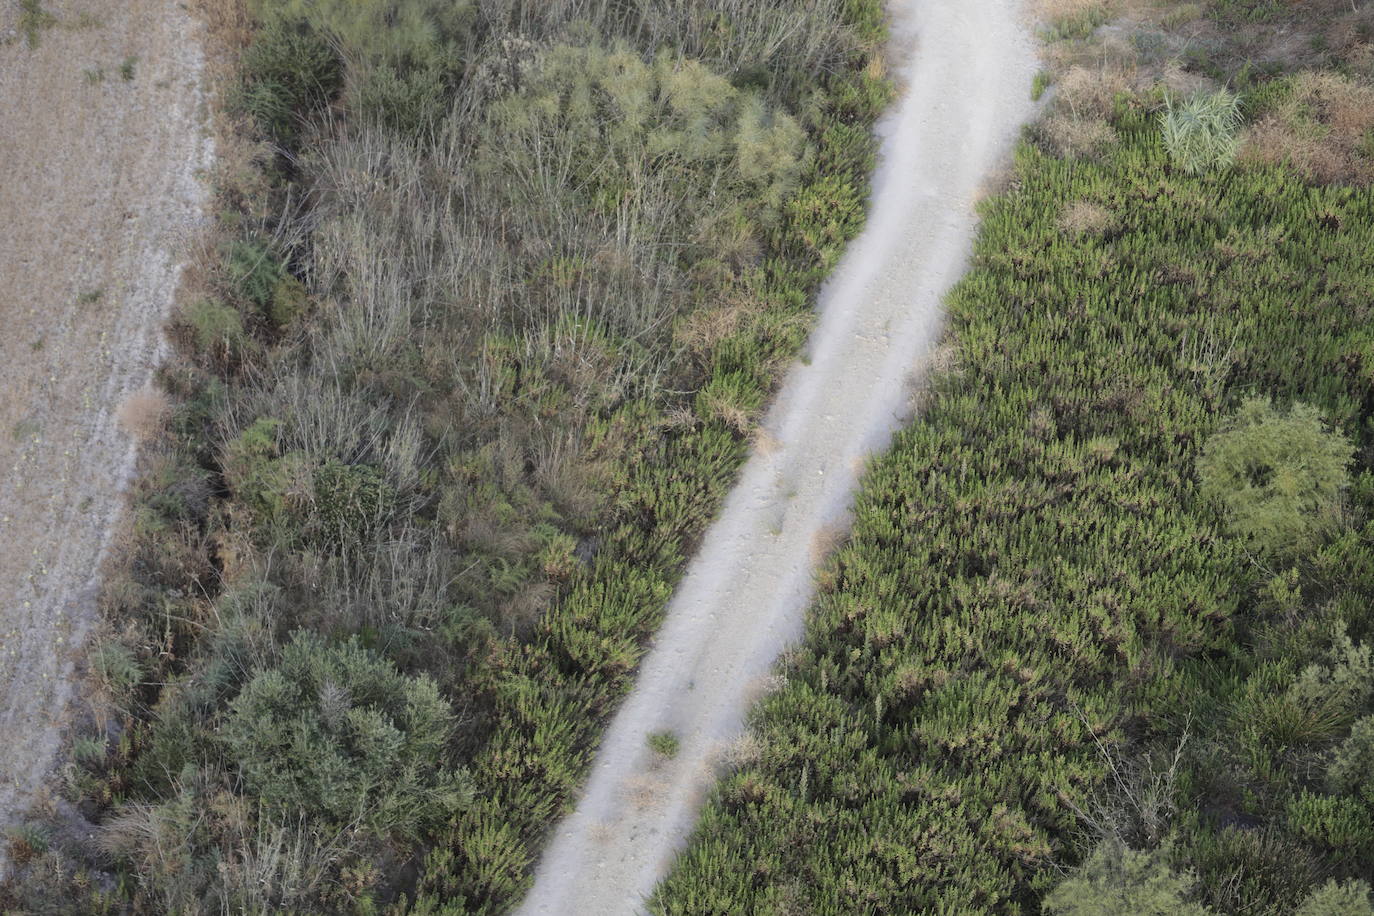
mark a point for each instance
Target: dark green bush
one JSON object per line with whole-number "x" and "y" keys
{"x": 289, "y": 72}
{"x": 338, "y": 733}
{"x": 254, "y": 272}
{"x": 351, "y": 502}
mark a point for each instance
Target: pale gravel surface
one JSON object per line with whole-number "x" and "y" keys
{"x": 966, "y": 67}
{"x": 102, "y": 190}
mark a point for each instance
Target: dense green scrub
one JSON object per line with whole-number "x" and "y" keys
{"x": 1039, "y": 601}
{"x": 478, "y": 356}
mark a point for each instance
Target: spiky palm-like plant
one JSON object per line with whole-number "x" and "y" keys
{"x": 1200, "y": 133}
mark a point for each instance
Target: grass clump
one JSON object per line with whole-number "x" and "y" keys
{"x": 665, "y": 744}
{"x": 1279, "y": 476}
{"x": 34, "y": 19}
{"x": 1200, "y": 133}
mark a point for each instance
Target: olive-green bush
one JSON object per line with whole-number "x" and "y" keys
{"x": 1118, "y": 881}
{"x": 1279, "y": 476}
{"x": 337, "y": 733}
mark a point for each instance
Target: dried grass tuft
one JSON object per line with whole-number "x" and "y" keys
{"x": 1075, "y": 138}
{"x": 1322, "y": 129}
{"x": 144, "y": 413}
{"x": 1085, "y": 217}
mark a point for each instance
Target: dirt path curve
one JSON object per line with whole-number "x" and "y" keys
{"x": 966, "y": 66}
{"x": 103, "y": 147}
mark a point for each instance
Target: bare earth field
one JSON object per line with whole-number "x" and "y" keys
{"x": 103, "y": 152}
{"x": 965, "y": 69}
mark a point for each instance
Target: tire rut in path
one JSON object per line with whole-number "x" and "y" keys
{"x": 964, "y": 68}
{"x": 104, "y": 143}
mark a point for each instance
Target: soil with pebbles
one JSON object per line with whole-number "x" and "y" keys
{"x": 104, "y": 146}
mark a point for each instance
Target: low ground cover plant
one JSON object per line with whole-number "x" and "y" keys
{"x": 1100, "y": 546}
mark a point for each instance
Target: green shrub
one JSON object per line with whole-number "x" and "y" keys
{"x": 409, "y": 103}
{"x": 254, "y": 271}
{"x": 215, "y": 327}
{"x": 1117, "y": 881}
{"x": 1200, "y": 133}
{"x": 117, "y": 667}
{"x": 338, "y": 733}
{"x": 289, "y": 302}
{"x": 351, "y": 501}
{"x": 253, "y": 471}
{"x": 1278, "y": 476}
{"x": 289, "y": 72}
{"x": 664, "y": 743}
{"x": 1350, "y": 898}
{"x": 1338, "y": 827}
{"x": 1351, "y": 769}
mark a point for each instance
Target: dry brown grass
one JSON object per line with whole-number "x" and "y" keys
{"x": 1091, "y": 93}
{"x": 1351, "y": 37}
{"x": 1084, "y": 216}
{"x": 523, "y": 609}
{"x": 144, "y": 413}
{"x": 1323, "y": 129}
{"x": 826, "y": 541}
{"x": 703, "y": 330}
{"x": 764, "y": 442}
{"x": 228, "y": 21}
{"x": 1076, "y": 138}
{"x": 645, "y": 792}
{"x": 745, "y": 750}
{"x": 1060, "y": 10}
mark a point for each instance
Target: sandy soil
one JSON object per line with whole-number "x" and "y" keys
{"x": 967, "y": 68}
{"x": 103, "y": 144}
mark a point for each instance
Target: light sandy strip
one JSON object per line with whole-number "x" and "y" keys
{"x": 104, "y": 148}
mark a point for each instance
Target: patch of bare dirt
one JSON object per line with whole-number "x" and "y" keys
{"x": 104, "y": 144}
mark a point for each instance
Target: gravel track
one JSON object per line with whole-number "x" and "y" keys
{"x": 965, "y": 67}
{"x": 104, "y": 144}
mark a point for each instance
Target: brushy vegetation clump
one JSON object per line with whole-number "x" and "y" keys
{"x": 1279, "y": 477}
{"x": 1119, "y": 534}
{"x": 488, "y": 326}
{"x": 1200, "y": 132}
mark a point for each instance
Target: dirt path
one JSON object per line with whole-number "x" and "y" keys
{"x": 967, "y": 67}
{"x": 103, "y": 146}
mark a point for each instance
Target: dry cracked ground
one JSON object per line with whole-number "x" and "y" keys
{"x": 103, "y": 153}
